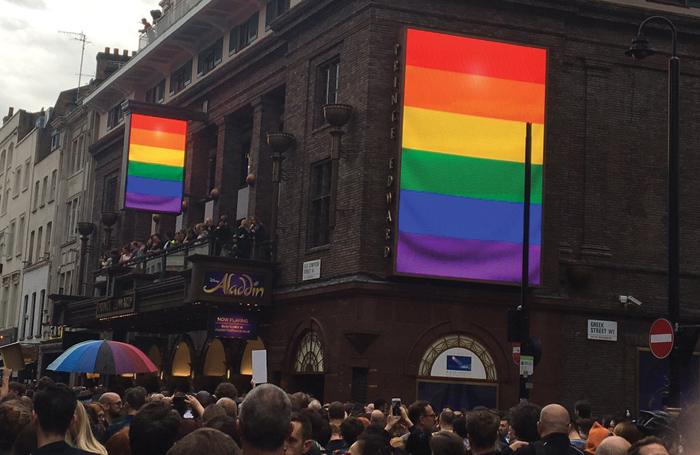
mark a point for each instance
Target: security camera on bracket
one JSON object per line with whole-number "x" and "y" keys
{"x": 627, "y": 300}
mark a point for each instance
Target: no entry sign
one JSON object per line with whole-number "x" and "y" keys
{"x": 661, "y": 338}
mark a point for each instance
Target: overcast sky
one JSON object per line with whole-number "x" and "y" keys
{"x": 38, "y": 62}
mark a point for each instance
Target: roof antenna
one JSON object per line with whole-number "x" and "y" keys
{"x": 82, "y": 38}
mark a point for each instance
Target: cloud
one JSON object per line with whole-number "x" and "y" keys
{"x": 13, "y": 24}
{"x": 29, "y": 4}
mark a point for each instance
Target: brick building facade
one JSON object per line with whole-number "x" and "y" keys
{"x": 374, "y": 334}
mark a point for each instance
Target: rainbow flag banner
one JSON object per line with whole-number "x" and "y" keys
{"x": 155, "y": 164}
{"x": 466, "y": 104}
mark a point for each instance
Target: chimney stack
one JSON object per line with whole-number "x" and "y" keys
{"x": 125, "y": 53}
{"x": 107, "y": 50}
{"x": 116, "y": 51}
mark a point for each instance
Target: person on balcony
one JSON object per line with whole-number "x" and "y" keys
{"x": 244, "y": 245}
{"x": 222, "y": 236}
{"x": 257, "y": 235}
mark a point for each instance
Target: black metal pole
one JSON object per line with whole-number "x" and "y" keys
{"x": 524, "y": 306}
{"x": 673, "y": 225}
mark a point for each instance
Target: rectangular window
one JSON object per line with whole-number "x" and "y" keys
{"x": 42, "y": 311}
{"x": 243, "y": 34}
{"x": 319, "y": 216}
{"x": 18, "y": 180}
{"x": 9, "y": 241}
{"x": 327, "y": 84}
{"x": 2, "y": 161}
{"x": 72, "y": 220}
{"x": 23, "y": 318}
{"x": 55, "y": 140}
{"x": 4, "y": 201}
{"x": 44, "y": 189}
{"x": 25, "y": 185}
{"x": 245, "y": 163}
{"x": 109, "y": 203}
{"x": 20, "y": 237}
{"x": 181, "y": 78}
{"x": 273, "y": 10}
{"x": 115, "y": 116}
{"x": 39, "y": 244}
{"x": 210, "y": 57}
{"x": 48, "y": 237}
{"x": 37, "y": 185}
{"x": 54, "y": 182}
{"x": 30, "y": 253}
{"x": 78, "y": 154}
{"x": 32, "y": 315}
{"x": 156, "y": 94}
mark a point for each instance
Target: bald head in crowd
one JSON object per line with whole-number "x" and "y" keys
{"x": 229, "y": 406}
{"x": 265, "y": 420}
{"x": 554, "y": 418}
{"x": 613, "y": 445}
{"x": 377, "y": 416}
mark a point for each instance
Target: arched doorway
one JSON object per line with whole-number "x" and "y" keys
{"x": 308, "y": 372}
{"x": 457, "y": 371}
{"x": 182, "y": 361}
{"x": 247, "y": 360}
{"x": 215, "y": 360}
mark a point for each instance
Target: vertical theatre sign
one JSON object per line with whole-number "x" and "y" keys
{"x": 154, "y": 157}
{"x": 465, "y": 106}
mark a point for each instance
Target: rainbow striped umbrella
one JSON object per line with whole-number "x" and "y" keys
{"x": 104, "y": 357}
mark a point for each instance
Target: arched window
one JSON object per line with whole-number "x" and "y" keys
{"x": 309, "y": 358}
{"x": 155, "y": 357}
{"x": 182, "y": 361}
{"x": 215, "y": 362}
{"x": 458, "y": 356}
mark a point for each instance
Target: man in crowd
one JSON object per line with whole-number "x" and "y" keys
{"x": 134, "y": 398}
{"x": 422, "y": 420}
{"x": 553, "y": 428}
{"x": 299, "y": 441}
{"x": 613, "y": 445}
{"x": 229, "y": 406}
{"x": 264, "y": 420}
{"x": 523, "y": 423}
{"x": 482, "y": 432}
{"x": 336, "y": 415}
{"x": 112, "y": 405}
{"x": 54, "y": 413}
{"x": 447, "y": 418}
{"x": 153, "y": 430}
{"x": 651, "y": 445}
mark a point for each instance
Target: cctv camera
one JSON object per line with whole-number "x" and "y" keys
{"x": 627, "y": 299}
{"x": 633, "y": 300}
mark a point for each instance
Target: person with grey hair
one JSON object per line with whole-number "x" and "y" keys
{"x": 264, "y": 420}
{"x": 315, "y": 405}
{"x": 613, "y": 445}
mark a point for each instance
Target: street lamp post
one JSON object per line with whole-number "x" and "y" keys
{"x": 639, "y": 50}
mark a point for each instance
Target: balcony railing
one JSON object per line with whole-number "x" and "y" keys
{"x": 177, "y": 10}
{"x": 174, "y": 260}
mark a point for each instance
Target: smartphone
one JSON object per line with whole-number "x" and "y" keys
{"x": 396, "y": 407}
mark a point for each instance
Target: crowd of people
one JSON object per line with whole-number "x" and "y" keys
{"x": 54, "y": 419}
{"x": 248, "y": 238}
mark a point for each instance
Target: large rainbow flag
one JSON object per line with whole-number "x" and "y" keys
{"x": 465, "y": 108}
{"x": 156, "y": 163}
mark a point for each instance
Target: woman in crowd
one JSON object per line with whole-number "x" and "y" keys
{"x": 80, "y": 434}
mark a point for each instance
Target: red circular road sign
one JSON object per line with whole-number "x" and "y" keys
{"x": 661, "y": 338}
{"x": 516, "y": 353}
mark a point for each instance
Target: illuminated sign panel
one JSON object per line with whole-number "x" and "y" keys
{"x": 465, "y": 107}
{"x": 155, "y": 164}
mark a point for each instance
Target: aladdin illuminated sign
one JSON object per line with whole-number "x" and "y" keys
{"x": 234, "y": 284}
{"x": 465, "y": 106}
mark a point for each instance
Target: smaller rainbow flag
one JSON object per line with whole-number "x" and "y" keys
{"x": 156, "y": 164}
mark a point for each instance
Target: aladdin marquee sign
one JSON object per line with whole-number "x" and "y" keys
{"x": 216, "y": 279}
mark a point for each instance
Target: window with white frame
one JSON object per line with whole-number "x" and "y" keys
{"x": 72, "y": 211}
{"x": 39, "y": 244}
{"x": 35, "y": 204}
{"x": 18, "y": 180}
{"x": 9, "y": 241}
{"x": 4, "y": 201}
{"x": 54, "y": 182}
{"x": 44, "y": 189}
{"x": 273, "y": 10}
{"x": 20, "y": 236}
{"x": 27, "y": 174}
{"x": 3, "y": 155}
{"x": 55, "y": 140}
{"x": 10, "y": 151}
{"x": 115, "y": 116}
{"x": 30, "y": 252}
{"x": 47, "y": 248}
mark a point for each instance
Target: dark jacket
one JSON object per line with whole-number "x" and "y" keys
{"x": 552, "y": 444}
{"x": 418, "y": 442}
{"x": 59, "y": 448}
